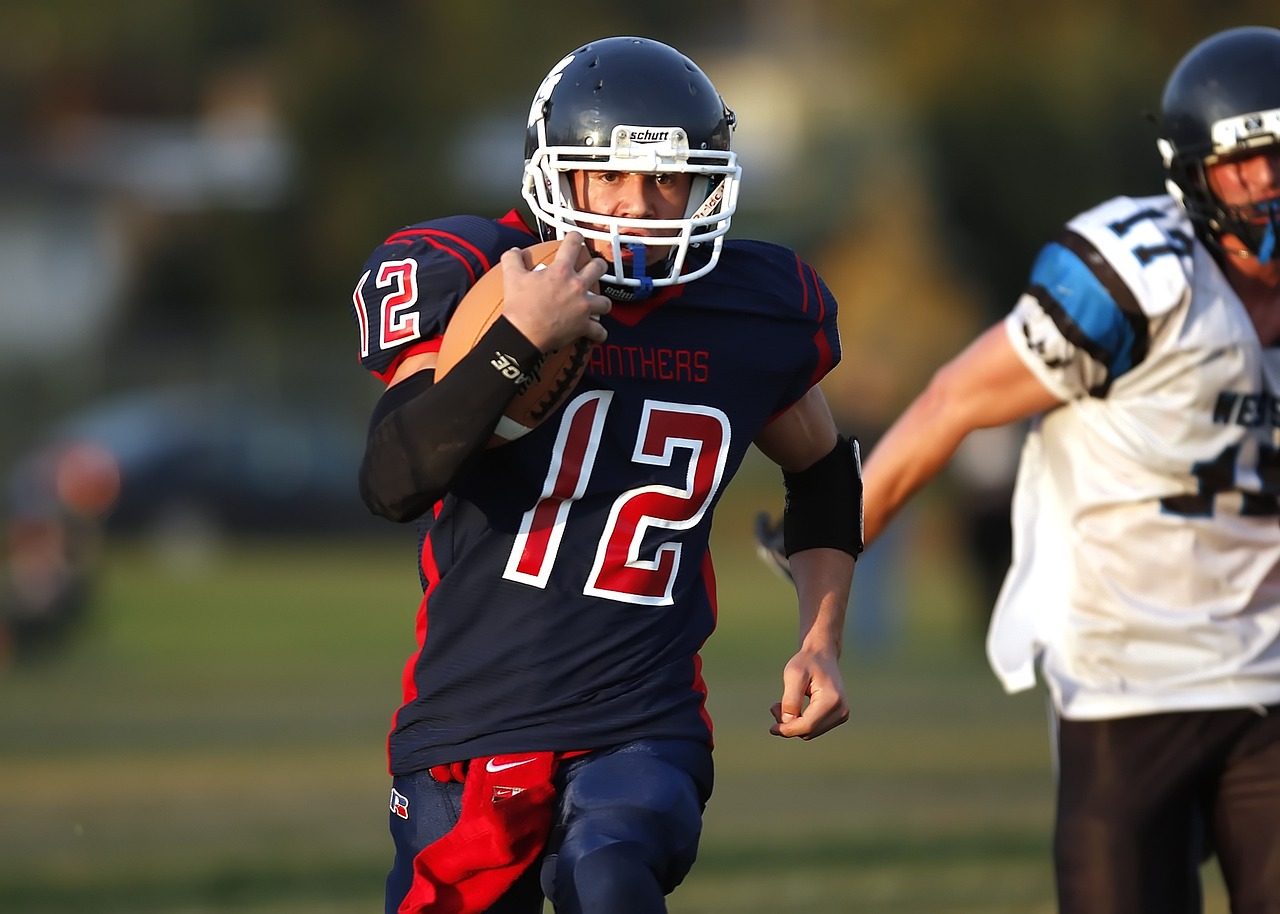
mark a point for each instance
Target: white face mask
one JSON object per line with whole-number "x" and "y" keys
{"x": 713, "y": 199}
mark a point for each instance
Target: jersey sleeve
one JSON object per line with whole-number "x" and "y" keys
{"x": 826, "y": 337}
{"x": 411, "y": 284}
{"x": 1085, "y": 318}
{"x": 806, "y": 341}
{"x": 816, "y": 350}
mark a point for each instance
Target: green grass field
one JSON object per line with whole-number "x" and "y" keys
{"x": 213, "y": 742}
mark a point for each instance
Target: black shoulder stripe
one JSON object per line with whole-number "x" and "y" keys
{"x": 1069, "y": 328}
{"x": 1120, "y": 292}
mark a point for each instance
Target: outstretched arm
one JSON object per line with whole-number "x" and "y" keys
{"x": 802, "y": 438}
{"x": 986, "y": 385}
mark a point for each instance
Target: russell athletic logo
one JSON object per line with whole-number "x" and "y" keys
{"x": 399, "y": 804}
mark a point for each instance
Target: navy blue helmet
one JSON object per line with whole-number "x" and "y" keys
{"x": 639, "y": 106}
{"x": 1222, "y": 100}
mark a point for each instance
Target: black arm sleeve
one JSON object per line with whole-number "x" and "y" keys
{"x": 421, "y": 433}
{"x": 824, "y": 503}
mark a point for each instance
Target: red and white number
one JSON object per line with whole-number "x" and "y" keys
{"x": 621, "y": 572}
{"x": 362, "y": 314}
{"x": 542, "y": 526}
{"x": 694, "y": 440}
{"x": 397, "y": 321}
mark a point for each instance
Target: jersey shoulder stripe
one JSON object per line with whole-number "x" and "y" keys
{"x": 777, "y": 275}
{"x": 1090, "y": 304}
{"x": 413, "y": 281}
{"x": 759, "y": 275}
{"x": 473, "y": 260}
{"x": 468, "y": 239}
{"x": 1109, "y": 273}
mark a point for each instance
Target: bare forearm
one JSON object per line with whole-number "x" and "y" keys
{"x": 986, "y": 385}
{"x": 822, "y": 578}
{"x": 914, "y": 451}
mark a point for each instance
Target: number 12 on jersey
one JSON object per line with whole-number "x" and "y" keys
{"x": 677, "y": 435}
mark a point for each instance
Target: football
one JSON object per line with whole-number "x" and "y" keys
{"x": 554, "y": 379}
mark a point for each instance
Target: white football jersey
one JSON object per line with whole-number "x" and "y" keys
{"x": 1146, "y": 514}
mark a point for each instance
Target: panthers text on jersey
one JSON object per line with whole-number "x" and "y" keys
{"x": 568, "y": 586}
{"x": 1146, "y": 512}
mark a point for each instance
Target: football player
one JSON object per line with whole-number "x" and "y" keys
{"x": 1145, "y": 581}
{"x": 553, "y": 739}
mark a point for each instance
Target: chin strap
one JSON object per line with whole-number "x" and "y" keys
{"x": 1268, "y": 245}
{"x": 638, "y": 271}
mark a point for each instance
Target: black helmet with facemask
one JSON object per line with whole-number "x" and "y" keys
{"x": 1221, "y": 101}
{"x": 633, "y": 105}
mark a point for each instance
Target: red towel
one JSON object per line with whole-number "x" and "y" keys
{"x": 507, "y": 804}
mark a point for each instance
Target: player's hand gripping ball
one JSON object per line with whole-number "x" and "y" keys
{"x": 550, "y": 384}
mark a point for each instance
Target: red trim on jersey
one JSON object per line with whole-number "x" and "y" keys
{"x": 826, "y": 359}
{"x": 431, "y": 345}
{"x": 633, "y": 312}
{"x": 408, "y": 684}
{"x": 514, "y": 219}
{"x": 700, "y": 684}
{"x": 430, "y": 236}
{"x": 804, "y": 286}
{"x": 815, "y": 284}
{"x": 809, "y": 281}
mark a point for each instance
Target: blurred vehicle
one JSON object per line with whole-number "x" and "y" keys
{"x": 181, "y": 468}
{"x": 152, "y": 462}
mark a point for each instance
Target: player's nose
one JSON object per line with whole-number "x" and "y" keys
{"x": 1262, "y": 176}
{"x": 635, "y": 198}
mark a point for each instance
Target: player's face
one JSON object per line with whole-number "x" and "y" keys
{"x": 1247, "y": 181}
{"x": 629, "y": 195}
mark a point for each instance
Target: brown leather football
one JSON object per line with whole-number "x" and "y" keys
{"x": 554, "y": 380}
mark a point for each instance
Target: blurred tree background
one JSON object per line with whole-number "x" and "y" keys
{"x": 188, "y": 190}
{"x": 190, "y": 187}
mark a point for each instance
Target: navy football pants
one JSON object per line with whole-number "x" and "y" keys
{"x": 625, "y": 832}
{"x": 1144, "y": 801}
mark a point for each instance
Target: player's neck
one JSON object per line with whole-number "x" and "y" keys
{"x": 1258, "y": 287}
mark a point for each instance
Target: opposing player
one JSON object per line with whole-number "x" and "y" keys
{"x": 553, "y": 738}
{"x": 1145, "y": 576}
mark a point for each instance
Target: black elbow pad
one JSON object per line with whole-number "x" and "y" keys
{"x": 824, "y": 503}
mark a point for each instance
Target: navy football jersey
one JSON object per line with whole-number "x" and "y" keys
{"x": 567, "y": 583}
